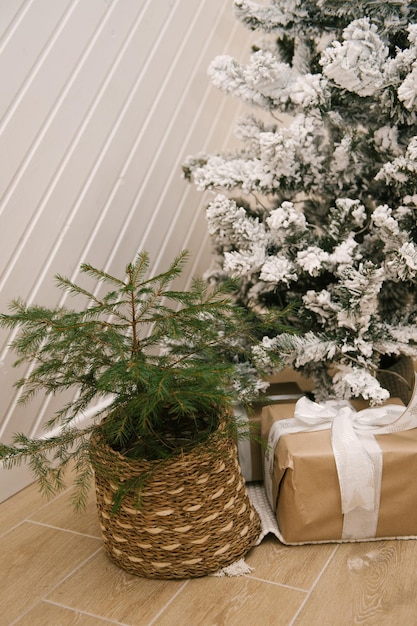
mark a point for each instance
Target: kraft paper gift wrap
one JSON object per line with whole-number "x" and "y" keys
{"x": 250, "y": 449}
{"x": 306, "y": 492}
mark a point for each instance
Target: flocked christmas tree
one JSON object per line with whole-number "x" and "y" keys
{"x": 319, "y": 205}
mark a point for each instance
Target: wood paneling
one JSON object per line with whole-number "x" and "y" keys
{"x": 100, "y": 104}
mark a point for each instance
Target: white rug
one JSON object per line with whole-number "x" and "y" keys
{"x": 258, "y": 497}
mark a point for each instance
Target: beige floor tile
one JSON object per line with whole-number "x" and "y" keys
{"x": 239, "y": 601}
{"x": 16, "y": 509}
{"x": 100, "y": 588}
{"x": 60, "y": 513}
{"x": 366, "y": 583}
{"x": 296, "y": 566}
{"x": 52, "y": 575}
{"x": 33, "y": 559}
{"x": 46, "y": 614}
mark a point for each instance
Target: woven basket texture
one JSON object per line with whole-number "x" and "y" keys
{"x": 399, "y": 379}
{"x": 194, "y": 516}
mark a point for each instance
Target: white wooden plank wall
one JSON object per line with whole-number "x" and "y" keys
{"x": 100, "y": 103}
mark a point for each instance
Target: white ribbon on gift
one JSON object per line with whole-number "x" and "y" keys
{"x": 357, "y": 453}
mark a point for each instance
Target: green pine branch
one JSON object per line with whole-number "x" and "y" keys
{"x": 164, "y": 359}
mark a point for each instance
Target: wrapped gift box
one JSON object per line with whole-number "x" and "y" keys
{"x": 250, "y": 449}
{"x": 306, "y": 488}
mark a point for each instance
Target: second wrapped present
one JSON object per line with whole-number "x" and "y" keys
{"x": 334, "y": 473}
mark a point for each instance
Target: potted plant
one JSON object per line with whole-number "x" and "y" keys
{"x": 170, "y": 495}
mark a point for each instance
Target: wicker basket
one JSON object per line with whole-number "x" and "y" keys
{"x": 194, "y": 516}
{"x": 399, "y": 379}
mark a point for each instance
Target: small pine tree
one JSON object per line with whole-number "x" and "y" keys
{"x": 319, "y": 205}
{"x": 168, "y": 365}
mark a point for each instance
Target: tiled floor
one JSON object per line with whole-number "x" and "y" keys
{"x": 53, "y": 572}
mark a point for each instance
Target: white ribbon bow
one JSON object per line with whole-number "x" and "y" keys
{"x": 357, "y": 453}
